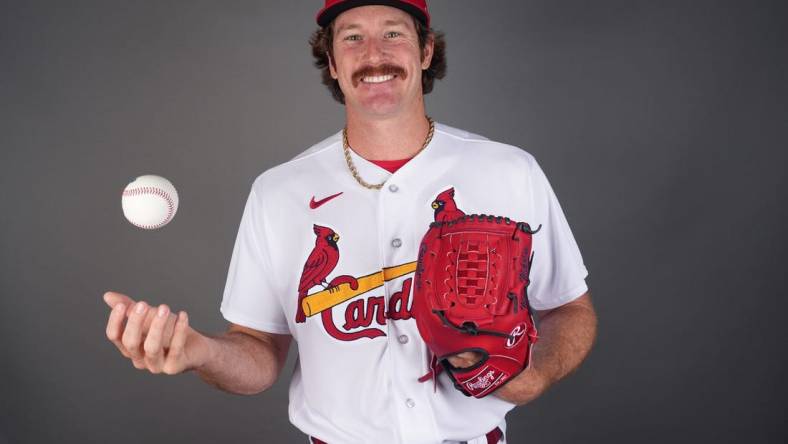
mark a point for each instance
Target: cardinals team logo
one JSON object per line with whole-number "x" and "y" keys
{"x": 445, "y": 207}
{"x": 359, "y": 313}
{"x": 320, "y": 263}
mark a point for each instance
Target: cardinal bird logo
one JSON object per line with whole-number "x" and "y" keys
{"x": 319, "y": 264}
{"x": 445, "y": 207}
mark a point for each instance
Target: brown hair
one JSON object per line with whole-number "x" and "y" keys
{"x": 323, "y": 38}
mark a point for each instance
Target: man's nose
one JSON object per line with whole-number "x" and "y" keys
{"x": 375, "y": 51}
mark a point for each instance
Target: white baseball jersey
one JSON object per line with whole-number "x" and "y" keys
{"x": 311, "y": 236}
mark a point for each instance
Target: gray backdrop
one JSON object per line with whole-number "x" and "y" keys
{"x": 661, "y": 125}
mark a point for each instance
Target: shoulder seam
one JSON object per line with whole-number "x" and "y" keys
{"x": 306, "y": 156}
{"x": 467, "y": 139}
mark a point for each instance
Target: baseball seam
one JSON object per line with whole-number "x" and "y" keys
{"x": 156, "y": 192}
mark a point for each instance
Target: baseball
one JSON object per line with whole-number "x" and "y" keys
{"x": 150, "y": 202}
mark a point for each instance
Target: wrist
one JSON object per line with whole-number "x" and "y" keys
{"x": 205, "y": 349}
{"x": 524, "y": 388}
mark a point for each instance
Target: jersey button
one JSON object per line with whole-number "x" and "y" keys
{"x": 403, "y": 339}
{"x": 410, "y": 403}
{"x": 396, "y": 243}
{"x": 393, "y": 188}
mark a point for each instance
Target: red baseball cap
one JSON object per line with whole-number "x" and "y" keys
{"x": 332, "y": 8}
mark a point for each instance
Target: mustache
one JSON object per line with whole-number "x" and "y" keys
{"x": 382, "y": 70}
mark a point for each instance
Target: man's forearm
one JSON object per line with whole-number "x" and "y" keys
{"x": 566, "y": 336}
{"x": 241, "y": 364}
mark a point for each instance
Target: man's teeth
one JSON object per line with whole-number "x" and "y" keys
{"x": 377, "y": 79}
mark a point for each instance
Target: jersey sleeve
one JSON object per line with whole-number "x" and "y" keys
{"x": 250, "y": 296}
{"x": 557, "y": 271}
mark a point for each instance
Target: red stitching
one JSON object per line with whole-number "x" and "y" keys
{"x": 156, "y": 192}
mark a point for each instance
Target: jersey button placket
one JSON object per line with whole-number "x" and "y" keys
{"x": 395, "y": 206}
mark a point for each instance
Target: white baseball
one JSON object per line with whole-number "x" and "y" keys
{"x": 150, "y": 202}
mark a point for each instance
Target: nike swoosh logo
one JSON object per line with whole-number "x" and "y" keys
{"x": 314, "y": 204}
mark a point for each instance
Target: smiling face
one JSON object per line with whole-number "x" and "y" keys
{"x": 377, "y": 60}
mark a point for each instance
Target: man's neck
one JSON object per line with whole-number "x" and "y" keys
{"x": 398, "y": 137}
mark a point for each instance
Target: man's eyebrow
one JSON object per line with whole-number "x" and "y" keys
{"x": 386, "y": 23}
{"x": 395, "y": 22}
{"x": 350, "y": 26}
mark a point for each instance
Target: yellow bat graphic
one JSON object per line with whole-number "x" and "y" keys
{"x": 325, "y": 299}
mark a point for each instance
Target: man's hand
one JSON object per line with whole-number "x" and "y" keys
{"x": 465, "y": 359}
{"x": 152, "y": 337}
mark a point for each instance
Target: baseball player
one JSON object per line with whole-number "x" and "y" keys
{"x": 328, "y": 249}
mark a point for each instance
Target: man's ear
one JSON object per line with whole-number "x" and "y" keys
{"x": 429, "y": 49}
{"x": 331, "y": 67}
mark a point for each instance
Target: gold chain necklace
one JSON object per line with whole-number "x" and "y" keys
{"x": 353, "y": 169}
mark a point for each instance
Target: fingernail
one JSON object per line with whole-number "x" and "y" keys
{"x": 161, "y": 312}
{"x": 140, "y": 307}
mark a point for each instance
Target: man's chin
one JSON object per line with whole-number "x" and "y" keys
{"x": 381, "y": 105}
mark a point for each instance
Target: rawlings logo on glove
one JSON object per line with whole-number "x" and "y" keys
{"x": 471, "y": 295}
